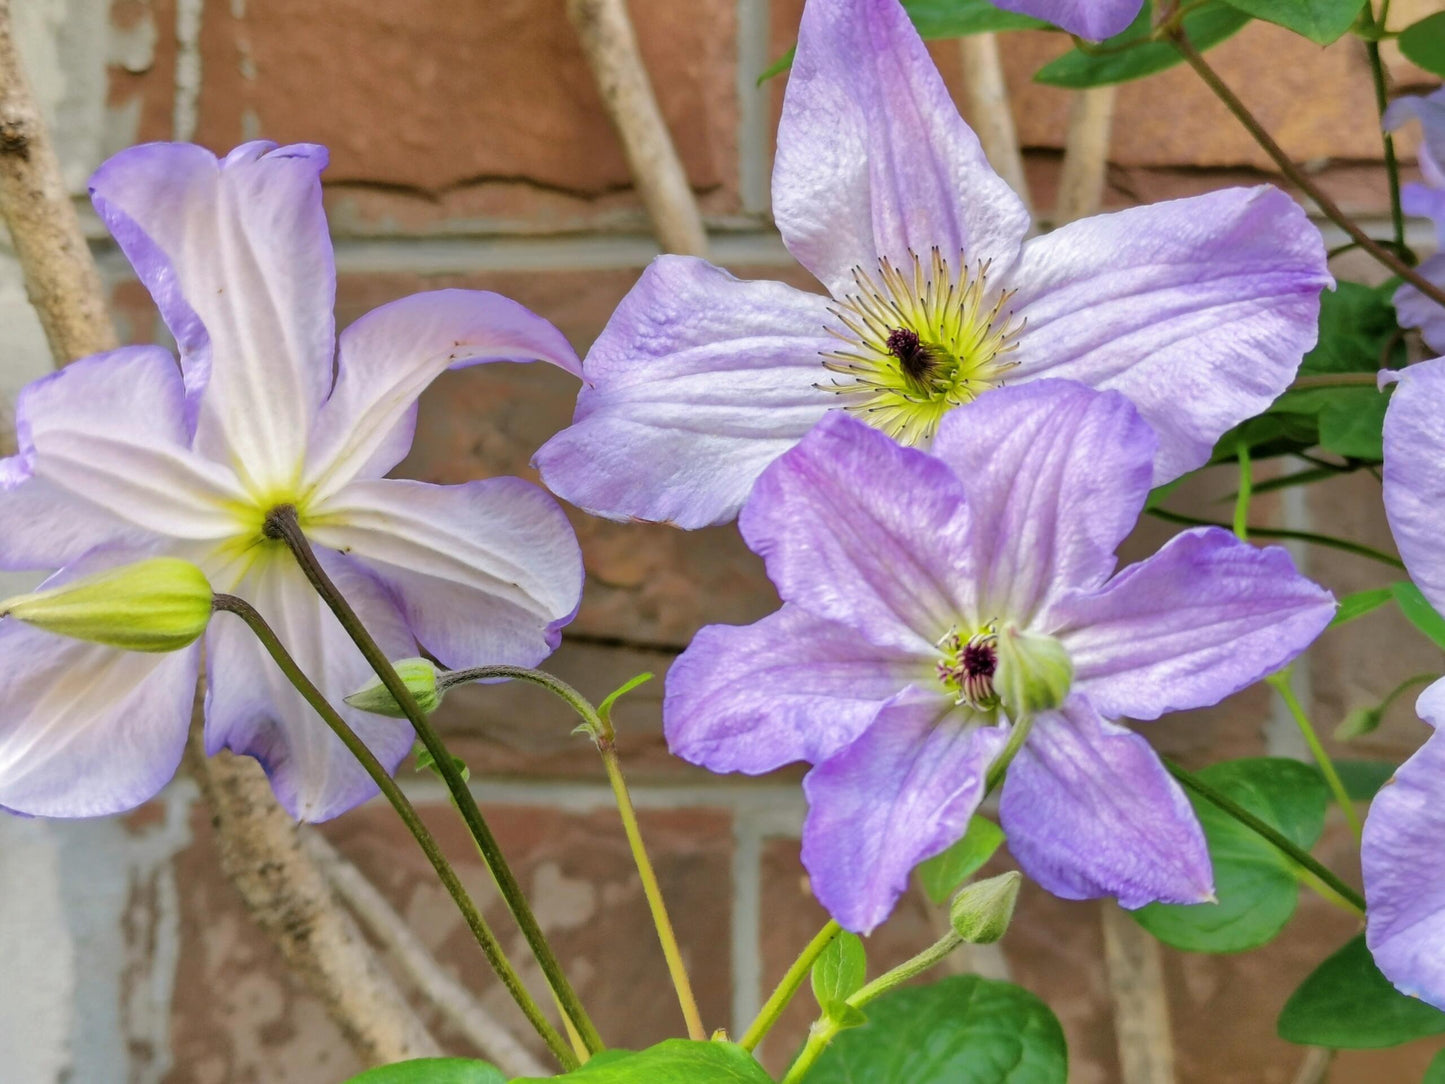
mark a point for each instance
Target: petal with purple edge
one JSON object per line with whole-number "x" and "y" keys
{"x": 860, "y": 530}
{"x": 1404, "y": 877}
{"x": 1414, "y": 486}
{"x": 1429, "y": 110}
{"x": 88, "y": 730}
{"x": 1090, "y": 811}
{"x": 1414, "y": 309}
{"x": 486, "y": 573}
{"x": 1203, "y": 618}
{"x": 389, "y": 356}
{"x": 873, "y": 158}
{"x": 252, "y": 709}
{"x": 236, "y": 254}
{"x": 903, "y": 792}
{"x": 697, "y": 383}
{"x": 1056, "y": 475}
{"x": 1094, "y": 20}
{"x": 1199, "y": 310}
{"x": 790, "y": 687}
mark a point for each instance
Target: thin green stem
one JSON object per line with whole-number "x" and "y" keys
{"x": 1246, "y": 491}
{"x": 281, "y": 524}
{"x": 1404, "y": 687}
{"x": 1392, "y": 163}
{"x": 1335, "y": 380}
{"x": 491, "y": 947}
{"x": 1280, "y": 681}
{"x": 1018, "y": 734}
{"x": 1270, "y": 834}
{"x": 783, "y": 993}
{"x": 1359, "y": 549}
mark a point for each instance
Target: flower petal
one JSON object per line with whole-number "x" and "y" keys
{"x": 252, "y": 709}
{"x": 1091, "y": 19}
{"x": 389, "y": 356}
{"x": 901, "y": 793}
{"x": 1199, "y": 310}
{"x": 1414, "y": 309}
{"x": 236, "y": 254}
{"x": 1414, "y": 488}
{"x": 1203, "y": 618}
{"x": 1404, "y": 878}
{"x": 103, "y": 459}
{"x": 873, "y": 159}
{"x": 88, "y": 730}
{"x": 1056, "y": 475}
{"x": 789, "y": 687}
{"x": 697, "y": 383}
{"x": 859, "y": 530}
{"x": 1090, "y": 811}
{"x": 1429, "y": 110}
{"x": 486, "y": 573}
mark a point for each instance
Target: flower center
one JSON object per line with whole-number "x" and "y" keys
{"x": 919, "y": 342}
{"x": 967, "y": 667}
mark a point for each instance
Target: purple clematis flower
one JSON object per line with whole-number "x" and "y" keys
{"x": 1091, "y": 19}
{"x": 1198, "y": 310}
{"x": 1400, "y": 856}
{"x": 911, "y": 586}
{"x": 125, "y": 454}
{"x": 1425, "y": 200}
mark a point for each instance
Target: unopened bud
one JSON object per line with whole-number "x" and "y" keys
{"x": 1358, "y": 722}
{"x": 1034, "y": 673}
{"x": 981, "y": 911}
{"x": 160, "y": 604}
{"x": 420, "y": 677}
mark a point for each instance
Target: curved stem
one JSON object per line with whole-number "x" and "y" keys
{"x": 783, "y": 993}
{"x": 491, "y": 947}
{"x": 1297, "y": 176}
{"x": 1280, "y": 681}
{"x": 1359, "y": 549}
{"x": 1245, "y": 492}
{"x": 1286, "y": 846}
{"x": 281, "y": 524}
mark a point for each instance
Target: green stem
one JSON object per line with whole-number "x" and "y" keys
{"x": 1392, "y": 163}
{"x": 1404, "y": 686}
{"x": 281, "y": 524}
{"x": 491, "y": 947}
{"x": 1246, "y": 490}
{"x": 1359, "y": 549}
{"x": 1280, "y": 681}
{"x": 780, "y": 997}
{"x": 1018, "y": 734}
{"x": 1286, "y": 846}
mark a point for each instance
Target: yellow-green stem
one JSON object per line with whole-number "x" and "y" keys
{"x": 1280, "y": 680}
{"x": 783, "y": 993}
{"x": 1246, "y": 491}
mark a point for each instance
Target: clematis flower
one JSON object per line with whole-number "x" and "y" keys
{"x": 126, "y": 456}
{"x": 918, "y": 591}
{"x": 1091, "y": 19}
{"x": 1424, "y": 200}
{"x": 1198, "y": 310}
{"x": 1404, "y": 882}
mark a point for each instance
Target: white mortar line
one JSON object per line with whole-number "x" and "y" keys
{"x": 754, "y": 106}
{"x": 188, "y": 69}
{"x": 776, "y": 807}
{"x": 746, "y": 922}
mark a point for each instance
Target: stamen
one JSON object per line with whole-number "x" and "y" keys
{"x": 968, "y": 666}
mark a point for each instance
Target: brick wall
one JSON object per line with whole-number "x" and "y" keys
{"x": 469, "y": 148}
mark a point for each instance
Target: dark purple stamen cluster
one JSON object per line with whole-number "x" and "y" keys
{"x": 915, "y": 358}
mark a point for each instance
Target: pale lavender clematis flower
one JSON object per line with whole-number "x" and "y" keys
{"x": 1091, "y": 19}
{"x": 1427, "y": 201}
{"x": 1400, "y": 855}
{"x": 903, "y": 577}
{"x": 1199, "y": 310}
{"x": 126, "y": 454}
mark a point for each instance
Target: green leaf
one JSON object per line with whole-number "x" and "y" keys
{"x": 777, "y": 67}
{"x": 1131, "y": 55}
{"x": 960, "y": 18}
{"x": 1348, "y": 1005}
{"x": 1421, "y": 614}
{"x": 1353, "y": 423}
{"x": 1423, "y": 43}
{"x": 432, "y": 1071}
{"x": 426, "y": 762}
{"x": 1256, "y": 885}
{"x": 1322, "y": 21}
{"x": 1360, "y": 603}
{"x": 943, "y": 873}
{"x": 963, "y": 1030}
{"x": 675, "y": 1061}
{"x": 604, "y": 709}
{"x": 1356, "y": 323}
{"x": 1364, "y": 778}
{"x": 1435, "y": 1071}
{"x": 840, "y": 969}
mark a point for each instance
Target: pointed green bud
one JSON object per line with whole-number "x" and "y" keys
{"x": 981, "y": 912}
{"x": 421, "y": 679}
{"x": 1358, "y": 722}
{"x": 1034, "y": 673}
{"x": 160, "y": 604}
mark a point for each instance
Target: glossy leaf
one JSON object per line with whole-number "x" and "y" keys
{"x": 1423, "y": 43}
{"x": 432, "y": 1071}
{"x": 1322, "y": 21}
{"x": 1360, "y": 603}
{"x": 1348, "y": 1005}
{"x": 676, "y": 1061}
{"x": 1421, "y": 614}
{"x": 943, "y": 873}
{"x": 1131, "y": 55}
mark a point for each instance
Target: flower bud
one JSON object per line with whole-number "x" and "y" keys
{"x": 420, "y": 677}
{"x": 981, "y": 911}
{"x": 160, "y": 604}
{"x": 1034, "y": 673}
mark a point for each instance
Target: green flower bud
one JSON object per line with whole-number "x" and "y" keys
{"x": 161, "y": 604}
{"x": 1034, "y": 673}
{"x": 981, "y": 912}
{"x": 421, "y": 680}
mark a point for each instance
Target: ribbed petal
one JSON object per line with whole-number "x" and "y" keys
{"x": 1199, "y": 310}
{"x": 236, "y": 254}
{"x": 1091, "y": 19}
{"x": 1090, "y": 811}
{"x": 1429, "y": 110}
{"x": 1414, "y": 309}
{"x": 486, "y": 573}
{"x": 697, "y": 383}
{"x": 873, "y": 159}
{"x": 1414, "y": 487}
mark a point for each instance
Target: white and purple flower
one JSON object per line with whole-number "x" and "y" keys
{"x": 911, "y": 583}
{"x": 126, "y": 454}
{"x": 1424, "y": 200}
{"x": 1199, "y": 310}
{"x": 1091, "y": 19}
